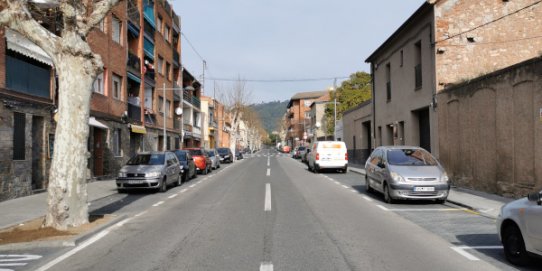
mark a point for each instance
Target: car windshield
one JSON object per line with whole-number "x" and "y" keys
{"x": 410, "y": 157}
{"x": 195, "y": 152}
{"x": 181, "y": 155}
{"x": 211, "y": 153}
{"x": 146, "y": 159}
{"x": 223, "y": 151}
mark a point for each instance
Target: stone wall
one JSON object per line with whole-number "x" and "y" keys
{"x": 490, "y": 130}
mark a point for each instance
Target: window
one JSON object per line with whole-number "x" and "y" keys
{"x": 168, "y": 106}
{"x": 148, "y": 97}
{"x": 26, "y": 75}
{"x": 418, "y": 62}
{"x": 160, "y": 65}
{"x": 19, "y": 125}
{"x": 98, "y": 85}
{"x": 168, "y": 70}
{"x": 117, "y": 87}
{"x": 160, "y": 104}
{"x": 159, "y": 24}
{"x": 166, "y": 32}
{"x": 388, "y": 82}
{"x": 116, "y": 25}
{"x": 116, "y": 138}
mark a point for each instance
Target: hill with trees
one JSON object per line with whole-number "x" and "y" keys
{"x": 270, "y": 113}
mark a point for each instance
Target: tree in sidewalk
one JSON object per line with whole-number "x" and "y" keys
{"x": 235, "y": 101}
{"x": 254, "y": 127}
{"x": 351, "y": 93}
{"x": 76, "y": 67}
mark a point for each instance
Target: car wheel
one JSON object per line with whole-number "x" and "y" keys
{"x": 514, "y": 246}
{"x": 186, "y": 177}
{"x": 316, "y": 169}
{"x": 368, "y": 185}
{"x": 345, "y": 170}
{"x": 387, "y": 196}
{"x": 206, "y": 171}
{"x": 163, "y": 185}
{"x": 121, "y": 191}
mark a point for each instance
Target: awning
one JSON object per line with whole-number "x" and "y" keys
{"x": 22, "y": 45}
{"x": 93, "y": 122}
{"x": 133, "y": 77}
{"x": 138, "y": 129}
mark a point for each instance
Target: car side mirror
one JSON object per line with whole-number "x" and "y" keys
{"x": 381, "y": 165}
{"x": 535, "y": 197}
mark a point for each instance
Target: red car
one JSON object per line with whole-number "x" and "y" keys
{"x": 286, "y": 149}
{"x": 201, "y": 160}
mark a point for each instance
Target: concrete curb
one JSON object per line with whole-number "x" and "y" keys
{"x": 357, "y": 171}
{"x": 71, "y": 242}
{"x": 470, "y": 208}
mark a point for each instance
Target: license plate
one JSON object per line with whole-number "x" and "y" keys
{"x": 424, "y": 189}
{"x": 135, "y": 182}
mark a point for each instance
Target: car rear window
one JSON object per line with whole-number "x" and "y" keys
{"x": 181, "y": 155}
{"x": 410, "y": 157}
{"x": 195, "y": 152}
{"x": 146, "y": 159}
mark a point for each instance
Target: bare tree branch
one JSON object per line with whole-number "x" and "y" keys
{"x": 99, "y": 11}
{"x": 15, "y": 15}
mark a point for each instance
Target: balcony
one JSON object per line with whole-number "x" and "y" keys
{"x": 133, "y": 12}
{"x": 149, "y": 30}
{"x": 187, "y": 127}
{"x": 149, "y": 78}
{"x": 134, "y": 64}
{"x": 418, "y": 75}
{"x": 134, "y": 113}
{"x": 175, "y": 58}
{"x": 196, "y": 101}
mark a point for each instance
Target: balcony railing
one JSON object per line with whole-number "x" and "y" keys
{"x": 149, "y": 30}
{"x": 133, "y": 12}
{"x": 134, "y": 113}
{"x": 149, "y": 77}
{"x": 134, "y": 64}
{"x": 418, "y": 75}
{"x": 196, "y": 101}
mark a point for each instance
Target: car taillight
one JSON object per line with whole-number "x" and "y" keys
{"x": 346, "y": 156}
{"x": 317, "y": 156}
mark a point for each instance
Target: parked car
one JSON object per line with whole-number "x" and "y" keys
{"x": 328, "y": 155}
{"x": 202, "y": 161}
{"x": 187, "y": 164}
{"x": 155, "y": 170}
{"x": 238, "y": 155}
{"x": 293, "y": 153}
{"x": 519, "y": 225}
{"x": 215, "y": 158}
{"x": 402, "y": 172}
{"x": 301, "y": 152}
{"x": 225, "y": 155}
{"x": 305, "y": 156}
{"x": 286, "y": 149}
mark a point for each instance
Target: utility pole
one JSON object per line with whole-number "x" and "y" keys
{"x": 335, "y": 110}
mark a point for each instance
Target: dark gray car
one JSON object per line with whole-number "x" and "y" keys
{"x": 155, "y": 170}
{"x": 403, "y": 172}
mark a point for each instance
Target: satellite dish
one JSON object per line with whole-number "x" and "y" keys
{"x": 178, "y": 111}
{"x": 318, "y": 124}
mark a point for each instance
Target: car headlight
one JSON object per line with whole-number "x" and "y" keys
{"x": 396, "y": 177}
{"x": 153, "y": 174}
{"x": 227, "y": 156}
{"x": 445, "y": 177}
{"x": 122, "y": 174}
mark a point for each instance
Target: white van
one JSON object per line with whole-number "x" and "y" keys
{"x": 328, "y": 155}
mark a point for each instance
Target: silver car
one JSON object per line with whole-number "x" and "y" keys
{"x": 155, "y": 170}
{"x": 215, "y": 158}
{"x": 403, "y": 172}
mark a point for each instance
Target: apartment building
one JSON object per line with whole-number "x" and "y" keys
{"x": 298, "y": 116}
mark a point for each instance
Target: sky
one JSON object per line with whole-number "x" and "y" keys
{"x": 283, "y": 40}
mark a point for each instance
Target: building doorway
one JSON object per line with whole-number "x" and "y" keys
{"x": 424, "y": 128}
{"x": 38, "y": 157}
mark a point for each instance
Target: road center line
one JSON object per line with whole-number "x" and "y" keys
{"x": 267, "y": 206}
{"x": 268, "y": 172}
{"x": 266, "y": 266}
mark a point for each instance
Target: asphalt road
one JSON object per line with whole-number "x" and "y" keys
{"x": 268, "y": 212}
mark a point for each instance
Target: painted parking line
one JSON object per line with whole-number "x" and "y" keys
{"x": 421, "y": 209}
{"x": 158, "y": 204}
{"x": 462, "y": 250}
{"x": 184, "y": 190}
{"x": 367, "y": 198}
{"x": 192, "y": 186}
{"x": 172, "y": 196}
{"x": 14, "y": 260}
{"x": 345, "y": 186}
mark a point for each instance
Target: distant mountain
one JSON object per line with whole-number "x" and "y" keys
{"x": 270, "y": 113}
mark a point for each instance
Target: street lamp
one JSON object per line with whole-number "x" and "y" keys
{"x": 334, "y": 113}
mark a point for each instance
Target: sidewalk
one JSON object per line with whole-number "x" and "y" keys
{"x": 486, "y": 204}
{"x": 19, "y": 210}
